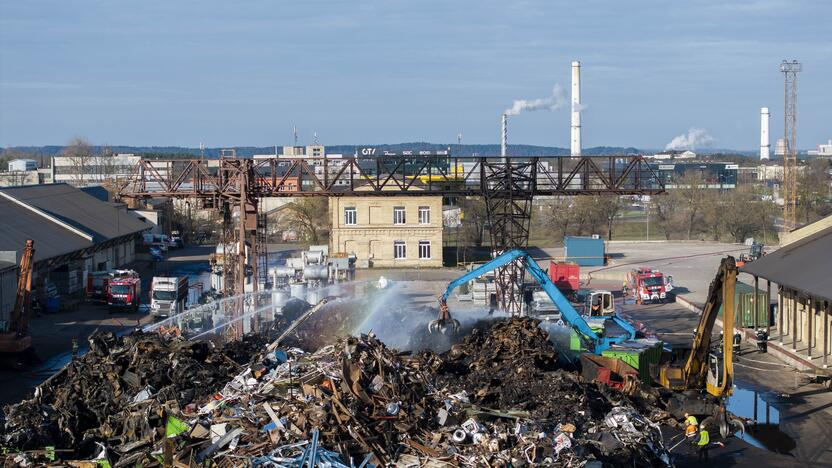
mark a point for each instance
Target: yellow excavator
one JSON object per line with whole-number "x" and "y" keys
{"x": 16, "y": 340}
{"x": 705, "y": 369}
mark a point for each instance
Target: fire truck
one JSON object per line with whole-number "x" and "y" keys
{"x": 124, "y": 291}
{"x": 648, "y": 285}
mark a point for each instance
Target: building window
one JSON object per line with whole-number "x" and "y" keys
{"x": 399, "y": 250}
{"x": 424, "y": 215}
{"x": 424, "y": 250}
{"x": 350, "y": 216}
{"x": 398, "y": 215}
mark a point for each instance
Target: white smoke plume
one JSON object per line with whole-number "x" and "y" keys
{"x": 695, "y": 138}
{"x": 555, "y": 101}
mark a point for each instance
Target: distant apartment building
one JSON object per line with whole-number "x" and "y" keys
{"x": 388, "y": 231}
{"x": 93, "y": 170}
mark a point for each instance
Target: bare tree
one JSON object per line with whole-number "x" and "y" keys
{"x": 560, "y": 217}
{"x": 743, "y": 210}
{"x": 665, "y": 214}
{"x": 692, "y": 193}
{"x": 308, "y": 217}
{"x": 607, "y": 208}
{"x": 813, "y": 190}
{"x": 79, "y": 154}
{"x": 713, "y": 218}
{"x": 474, "y": 219}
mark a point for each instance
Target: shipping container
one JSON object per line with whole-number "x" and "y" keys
{"x": 585, "y": 251}
{"x": 641, "y": 355}
{"x": 745, "y": 306}
{"x": 565, "y": 275}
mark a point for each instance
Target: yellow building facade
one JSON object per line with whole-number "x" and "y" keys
{"x": 387, "y": 232}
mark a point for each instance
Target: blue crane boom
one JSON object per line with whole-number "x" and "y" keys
{"x": 568, "y": 313}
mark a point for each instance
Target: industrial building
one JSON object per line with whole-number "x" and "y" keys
{"x": 81, "y": 171}
{"x": 388, "y": 231}
{"x": 800, "y": 269}
{"x": 823, "y": 150}
{"x": 74, "y": 233}
{"x": 716, "y": 175}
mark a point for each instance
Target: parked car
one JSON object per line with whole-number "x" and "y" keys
{"x": 157, "y": 254}
{"x": 176, "y": 242}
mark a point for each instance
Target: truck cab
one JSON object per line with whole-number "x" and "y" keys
{"x": 168, "y": 295}
{"x": 124, "y": 292}
{"x": 648, "y": 285}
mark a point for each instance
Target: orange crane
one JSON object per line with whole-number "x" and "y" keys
{"x": 17, "y": 339}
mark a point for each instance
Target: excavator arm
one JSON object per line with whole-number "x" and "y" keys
{"x": 568, "y": 312}
{"x": 17, "y": 338}
{"x": 694, "y": 373}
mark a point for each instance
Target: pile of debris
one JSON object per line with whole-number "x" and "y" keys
{"x": 498, "y": 398}
{"x": 120, "y": 391}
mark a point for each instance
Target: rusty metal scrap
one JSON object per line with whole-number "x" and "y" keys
{"x": 497, "y": 398}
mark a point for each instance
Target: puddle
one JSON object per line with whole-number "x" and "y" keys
{"x": 766, "y": 433}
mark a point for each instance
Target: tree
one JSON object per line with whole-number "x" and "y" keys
{"x": 692, "y": 193}
{"x": 712, "y": 215}
{"x": 607, "y": 207}
{"x": 665, "y": 213}
{"x": 559, "y": 217}
{"x": 308, "y": 217}
{"x": 474, "y": 219}
{"x": 813, "y": 190}
{"x": 742, "y": 208}
{"x": 79, "y": 154}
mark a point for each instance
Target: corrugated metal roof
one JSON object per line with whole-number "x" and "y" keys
{"x": 100, "y": 220}
{"x": 51, "y": 240}
{"x": 83, "y": 211}
{"x": 803, "y": 265}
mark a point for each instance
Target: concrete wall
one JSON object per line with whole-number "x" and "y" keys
{"x": 372, "y": 238}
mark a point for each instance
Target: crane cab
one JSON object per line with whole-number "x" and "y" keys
{"x": 599, "y": 303}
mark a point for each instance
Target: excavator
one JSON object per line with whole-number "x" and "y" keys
{"x": 16, "y": 340}
{"x": 596, "y": 342}
{"x": 705, "y": 370}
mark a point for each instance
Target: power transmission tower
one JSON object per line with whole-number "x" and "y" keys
{"x": 790, "y": 69}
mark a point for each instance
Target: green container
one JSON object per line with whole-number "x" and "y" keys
{"x": 639, "y": 354}
{"x": 745, "y": 307}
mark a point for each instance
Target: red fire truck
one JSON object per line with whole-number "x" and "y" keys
{"x": 124, "y": 292}
{"x": 648, "y": 285}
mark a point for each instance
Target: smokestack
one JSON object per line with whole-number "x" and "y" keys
{"x": 503, "y": 135}
{"x": 576, "y": 108}
{"x": 765, "y": 144}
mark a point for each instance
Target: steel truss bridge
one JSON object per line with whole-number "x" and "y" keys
{"x": 508, "y": 186}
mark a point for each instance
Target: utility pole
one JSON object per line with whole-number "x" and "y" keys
{"x": 790, "y": 69}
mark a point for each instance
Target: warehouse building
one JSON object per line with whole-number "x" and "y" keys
{"x": 800, "y": 271}
{"x": 74, "y": 233}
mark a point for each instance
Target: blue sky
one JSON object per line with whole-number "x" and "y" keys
{"x": 242, "y": 73}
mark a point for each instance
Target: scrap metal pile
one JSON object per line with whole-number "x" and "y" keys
{"x": 497, "y": 398}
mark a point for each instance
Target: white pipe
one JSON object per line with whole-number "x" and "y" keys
{"x": 576, "y": 109}
{"x": 765, "y": 143}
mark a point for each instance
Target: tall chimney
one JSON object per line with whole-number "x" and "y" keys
{"x": 503, "y": 135}
{"x": 576, "y": 108}
{"x": 765, "y": 144}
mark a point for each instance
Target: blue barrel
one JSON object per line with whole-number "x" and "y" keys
{"x": 585, "y": 251}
